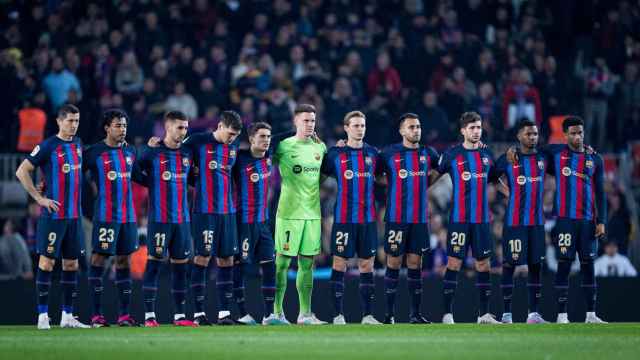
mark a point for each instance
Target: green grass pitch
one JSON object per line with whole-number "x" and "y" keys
{"x": 468, "y": 341}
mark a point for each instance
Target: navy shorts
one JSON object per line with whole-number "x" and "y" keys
{"x": 571, "y": 236}
{"x": 173, "y": 239}
{"x": 347, "y": 240}
{"x": 402, "y": 238}
{"x": 523, "y": 244}
{"x": 215, "y": 234}
{"x": 462, "y": 236}
{"x": 114, "y": 238}
{"x": 256, "y": 243}
{"x": 60, "y": 237}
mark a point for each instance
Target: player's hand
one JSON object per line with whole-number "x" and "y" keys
{"x": 512, "y": 155}
{"x": 600, "y": 231}
{"x": 341, "y": 143}
{"x": 154, "y": 141}
{"x": 51, "y": 205}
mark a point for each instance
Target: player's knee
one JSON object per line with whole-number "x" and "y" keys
{"x": 69, "y": 265}
{"x": 122, "y": 262}
{"x": 414, "y": 261}
{"x": 201, "y": 260}
{"x": 225, "y": 262}
{"x": 454, "y": 263}
{"x": 365, "y": 265}
{"x": 179, "y": 261}
{"x": 394, "y": 262}
{"x": 46, "y": 264}
{"x": 339, "y": 264}
{"x": 482, "y": 265}
{"x": 305, "y": 262}
{"x": 98, "y": 259}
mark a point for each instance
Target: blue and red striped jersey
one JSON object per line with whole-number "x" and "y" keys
{"x": 407, "y": 173}
{"x": 525, "y": 180}
{"x": 470, "y": 171}
{"x": 579, "y": 177}
{"x": 355, "y": 171}
{"x": 112, "y": 169}
{"x": 167, "y": 172}
{"x": 252, "y": 176}
{"x": 214, "y": 190}
{"x": 61, "y": 163}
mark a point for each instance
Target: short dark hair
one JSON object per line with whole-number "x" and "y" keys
{"x": 232, "y": 119}
{"x": 175, "y": 115}
{"x": 304, "y": 108}
{"x": 523, "y": 123}
{"x": 406, "y": 116}
{"x": 571, "y": 121}
{"x": 351, "y": 114}
{"x": 253, "y": 129}
{"x": 468, "y": 117}
{"x": 67, "y": 109}
{"x": 112, "y": 114}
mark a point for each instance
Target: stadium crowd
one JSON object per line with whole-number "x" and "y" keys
{"x": 505, "y": 59}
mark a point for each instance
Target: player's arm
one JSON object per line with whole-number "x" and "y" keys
{"x": 23, "y": 174}
{"x": 443, "y": 167}
{"x": 138, "y": 171}
{"x": 601, "y": 196}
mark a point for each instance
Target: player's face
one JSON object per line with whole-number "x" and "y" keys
{"x": 261, "y": 140}
{"x": 117, "y": 130}
{"x": 575, "y": 136}
{"x": 69, "y": 124}
{"x": 227, "y": 133}
{"x": 411, "y": 130}
{"x": 176, "y": 130}
{"x": 528, "y": 137}
{"x": 472, "y": 132}
{"x": 356, "y": 128}
{"x": 305, "y": 123}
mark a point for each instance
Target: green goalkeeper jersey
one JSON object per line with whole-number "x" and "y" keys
{"x": 299, "y": 163}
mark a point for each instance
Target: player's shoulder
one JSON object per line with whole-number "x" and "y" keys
{"x": 391, "y": 148}
{"x": 370, "y": 149}
{"x": 453, "y": 150}
{"x": 487, "y": 152}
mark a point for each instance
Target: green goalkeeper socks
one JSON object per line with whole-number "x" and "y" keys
{"x": 304, "y": 283}
{"x": 282, "y": 267}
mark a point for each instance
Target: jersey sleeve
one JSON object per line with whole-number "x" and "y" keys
{"x": 434, "y": 157}
{"x": 137, "y": 175}
{"x": 498, "y": 169}
{"x": 327, "y": 160}
{"x": 444, "y": 163}
{"x": 38, "y": 155}
{"x": 601, "y": 196}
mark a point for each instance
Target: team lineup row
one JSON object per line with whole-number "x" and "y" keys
{"x": 229, "y": 217}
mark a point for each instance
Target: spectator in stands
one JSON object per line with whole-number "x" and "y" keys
{"x": 434, "y": 121}
{"x": 384, "y": 78}
{"x": 59, "y": 82}
{"x": 487, "y": 105}
{"x": 129, "y": 76}
{"x": 15, "y": 261}
{"x": 600, "y": 84}
{"x": 628, "y": 101}
{"x": 612, "y": 264}
{"x": 619, "y": 222}
{"x": 182, "y": 101}
{"x": 521, "y": 99}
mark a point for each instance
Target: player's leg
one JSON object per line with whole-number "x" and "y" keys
{"x": 127, "y": 243}
{"x": 514, "y": 241}
{"x": 309, "y": 248}
{"x": 203, "y": 233}
{"x": 157, "y": 246}
{"x": 587, "y": 247}
{"x": 482, "y": 249}
{"x": 227, "y": 247}
{"x": 96, "y": 271}
{"x": 564, "y": 242}
{"x": 367, "y": 248}
{"x": 180, "y": 249}
{"x": 415, "y": 245}
{"x": 288, "y": 239}
{"x": 343, "y": 236}
{"x": 248, "y": 240}
{"x": 263, "y": 251}
{"x": 534, "y": 283}
{"x": 456, "y": 251}
{"x": 49, "y": 235}
{"x": 72, "y": 249}
{"x": 395, "y": 235}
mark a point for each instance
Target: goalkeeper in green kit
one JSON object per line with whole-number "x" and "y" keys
{"x": 298, "y": 229}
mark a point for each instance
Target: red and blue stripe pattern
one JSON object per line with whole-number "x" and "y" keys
{"x": 168, "y": 193}
{"x": 214, "y": 190}
{"x": 575, "y": 188}
{"x": 526, "y": 191}
{"x": 64, "y": 180}
{"x": 254, "y": 175}
{"x": 354, "y": 170}
{"x": 469, "y": 170}
{"x": 115, "y": 195}
{"x": 407, "y": 175}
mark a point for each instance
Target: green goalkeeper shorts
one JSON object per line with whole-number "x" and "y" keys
{"x": 298, "y": 237}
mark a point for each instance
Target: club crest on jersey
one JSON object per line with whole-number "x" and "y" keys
{"x": 66, "y": 168}
{"x": 213, "y": 165}
{"x": 566, "y": 171}
{"x": 185, "y": 162}
{"x": 316, "y": 156}
{"x": 348, "y": 174}
{"x": 485, "y": 161}
{"x": 589, "y": 163}
{"x": 166, "y": 176}
{"x": 254, "y": 177}
{"x": 541, "y": 165}
{"x": 112, "y": 175}
{"x": 269, "y": 162}
{"x": 367, "y": 160}
{"x": 129, "y": 160}
{"x": 402, "y": 173}
{"x": 423, "y": 159}
{"x": 466, "y": 176}
{"x": 36, "y": 150}
{"x": 232, "y": 153}
{"x": 521, "y": 180}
